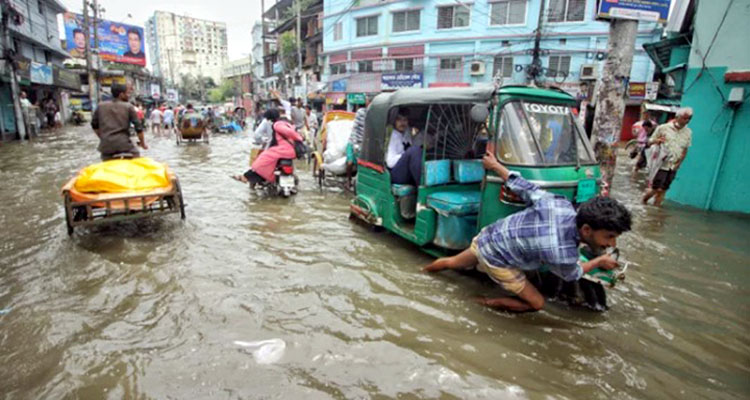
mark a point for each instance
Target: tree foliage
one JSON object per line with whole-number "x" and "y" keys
{"x": 226, "y": 90}
{"x": 288, "y": 50}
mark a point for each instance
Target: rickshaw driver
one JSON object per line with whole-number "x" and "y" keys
{"x": 548, "y": 232}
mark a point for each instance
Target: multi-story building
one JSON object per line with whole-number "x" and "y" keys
{"x": 180, "y": 45}
{"x": 263, "y": 43}
{"x": 371, "y": 46}
{"x": 241, "y": 72}
{"x": 280, "y": 70}
{"x": 37, "y": 60}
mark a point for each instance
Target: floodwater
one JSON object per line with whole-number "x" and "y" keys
{"x": 165, "y": 309}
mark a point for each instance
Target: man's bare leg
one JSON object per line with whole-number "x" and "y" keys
{"x": 529, "y": 300}
{"x": 659, "y": 197}
{"x": 463, "y": 260}
{"x": 649, "y": 194}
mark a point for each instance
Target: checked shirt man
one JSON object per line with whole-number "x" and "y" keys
{"x": 546, "y": 233}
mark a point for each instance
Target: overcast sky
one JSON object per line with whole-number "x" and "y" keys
{"x": 239, "y": 15}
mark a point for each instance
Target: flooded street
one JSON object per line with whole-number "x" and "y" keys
{"x": 155, "y": 308}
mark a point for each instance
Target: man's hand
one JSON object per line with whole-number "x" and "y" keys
{"x": 606, "y": 262}
{"x": 489, "y": 161}
{"x": 143, "y": 145}
{"x": 661, "y": 139}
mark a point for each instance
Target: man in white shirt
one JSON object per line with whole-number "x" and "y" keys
{"x": 404, "y": 156}
{"x": 168, "y": 120}
{"x": 155, "y": 119}
{"x": 400, "y": 141}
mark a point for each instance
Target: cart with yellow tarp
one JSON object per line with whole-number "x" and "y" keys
{"x": 121, "y": 190}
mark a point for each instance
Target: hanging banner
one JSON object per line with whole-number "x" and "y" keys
{"x": 640, "y": 10}
{"x": 155, "y": 90}
{"x": 172, "y": 95}
{"x": 398, "y": 81}
{"x": 118, "y": 42}
{"x": 66, "y": 79}
{"x": 41, "y": 73}
{"x": 23, "y": 69}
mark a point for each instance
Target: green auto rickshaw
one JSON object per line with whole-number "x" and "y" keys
{"x": 531, "y": 130}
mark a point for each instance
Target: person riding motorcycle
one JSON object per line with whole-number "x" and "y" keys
{"x": 281, "y": 147}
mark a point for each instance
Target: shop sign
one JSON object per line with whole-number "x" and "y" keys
{"x": 277, "y": 68}
{"x": 335, "y": 98}
{"x": 155, "y": 90}
{"x": 41, "y": 73}
{"x": 339, "y": 85}
{"x": 23, "y": 69}
{"x": 356, "y": 98}
{"x": 398, "y": 81}
{"x": 66, "y": 79}
{"x": 299, "y": 91}
{"x": 639, "y": 10}
{"x": 109, "y": 80}
{"x": 172, "y": 95}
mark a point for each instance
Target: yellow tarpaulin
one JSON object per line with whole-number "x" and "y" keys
{"x": 118, "y": 176}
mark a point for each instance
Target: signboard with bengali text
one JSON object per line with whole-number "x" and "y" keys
{"x": 640, "y": 10}
{"x": 401, "y": 80}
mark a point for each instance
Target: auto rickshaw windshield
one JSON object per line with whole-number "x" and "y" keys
{"x": 541, "y": 134}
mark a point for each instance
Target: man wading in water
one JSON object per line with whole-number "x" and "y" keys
{"x": 547, "y": 233}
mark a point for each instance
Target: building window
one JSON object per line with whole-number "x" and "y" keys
{"x": 40, "y": 6}
{"x": 566, "y": 10}
{"x": 367, "y": 26}
{"x": 338, "y": 31}
{"x": 405, "y": 21}
{"x": 337, "y": 69}
{"x": 511, "y": 12}
{"x": 450, "y": 63}
{"x": 365, "y": 66}
{"x": 404, "y": 64}
{"x": 503, "y": 67}
{"x": 558, "y": 66}
{"x": 453, "y": 17}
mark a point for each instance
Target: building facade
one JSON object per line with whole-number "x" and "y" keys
{"x": 37, "y": 61}
{"x": 374, "y": 46}
{"x": 703, "y": 56}
{"x": 180, "y": 45}
{"x": 241, "y": 72}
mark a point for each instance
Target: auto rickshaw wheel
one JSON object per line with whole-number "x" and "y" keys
{"x": 181, "y": 200}
{"x": 68, "y": 216}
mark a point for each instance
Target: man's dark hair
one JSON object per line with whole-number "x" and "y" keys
{"x": 117, "y": 89}
{"x": 604, "y": 213}
{"x": 272, "y": 115}
{"x": 648, "y": 124}
{"x": 77, "y": 31}
{"x": 189, "y": 106}
{"x": 292, "y": 100}
{"x": 308, "y": 107}
{"x": 133, "y": 30}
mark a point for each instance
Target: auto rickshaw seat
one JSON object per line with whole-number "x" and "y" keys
{"x": 455, "y": 203}
{"x": 401, "y": 190}
{"x": 457, "y": 217}
{"x": 468, "y": 171}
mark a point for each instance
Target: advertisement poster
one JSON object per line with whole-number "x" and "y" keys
{"x": 155, "y": 91}
{"x": 640, "y": 10}
{"x": 118, "y": 42}
{"x": 405, "y": 80}
{"x": 172, "y": 95}
{"x": 41, "y": 73}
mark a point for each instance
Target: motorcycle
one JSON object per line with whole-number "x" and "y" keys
{"x": 285, "y": 181}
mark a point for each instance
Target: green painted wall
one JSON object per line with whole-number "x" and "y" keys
{"x": 711, "y": 116}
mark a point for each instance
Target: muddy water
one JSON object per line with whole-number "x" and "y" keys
{"x": 154, "y": 309}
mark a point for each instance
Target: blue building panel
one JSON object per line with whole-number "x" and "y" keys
{"x": 483, "y": 41}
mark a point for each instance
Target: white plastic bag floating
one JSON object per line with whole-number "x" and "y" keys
{"x": 337, "y": 167}
{"x": 264, "y": 351}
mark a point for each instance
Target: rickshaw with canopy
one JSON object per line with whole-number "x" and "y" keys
{"x": 329, "y": 155}
{"x": 531, "y": 130}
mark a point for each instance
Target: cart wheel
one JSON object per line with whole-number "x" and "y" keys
{"x": 182, "y": 201}
{"x": 68, "y": 217}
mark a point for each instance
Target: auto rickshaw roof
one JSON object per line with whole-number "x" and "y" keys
{"x": 531, "y": 91}
{"x": 475, "y": 94}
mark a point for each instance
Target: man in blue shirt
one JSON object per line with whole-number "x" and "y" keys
{"x": 547, "y": 233}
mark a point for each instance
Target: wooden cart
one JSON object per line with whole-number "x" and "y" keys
{"x": 86, "y": 209}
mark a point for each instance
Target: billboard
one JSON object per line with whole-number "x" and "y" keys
{"x": 641, "y": 10}
{"x": 118, "y": 42}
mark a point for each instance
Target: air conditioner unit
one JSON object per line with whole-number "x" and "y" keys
{"x": 589, "y": 72}
{"x": 477, "y": 68}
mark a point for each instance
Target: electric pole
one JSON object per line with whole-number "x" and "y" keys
{"x": 95, "y": 7}
{"x": 93, "y": 91}
{"x": 299, "y": 40}
{"x": 15, "y": 91}
{"x": 610, "y": 96}
{"x": 535, "y": 69}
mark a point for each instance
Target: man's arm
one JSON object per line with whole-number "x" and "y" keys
{"x": 395, "y": 150}
{"x": 133, "y": 117}
{"x": 574, "y": 272}
{"x": 95, "y": 121}
{"x": 657, "y": 137}
{"x": 529, "y": 192}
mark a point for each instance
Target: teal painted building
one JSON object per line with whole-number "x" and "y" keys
{"x": 709, "y": 67}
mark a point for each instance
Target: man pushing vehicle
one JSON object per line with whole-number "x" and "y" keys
{"x": 111, "y": 122}
{"x": 546, "y": 234}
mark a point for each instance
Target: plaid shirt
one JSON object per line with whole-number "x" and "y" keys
{"x": 543, "y": 234}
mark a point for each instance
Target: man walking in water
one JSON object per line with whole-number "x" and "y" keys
{"x": 111, "y": 122}
{"x": 547, "y": 233}
{"x": 674, "y": 137}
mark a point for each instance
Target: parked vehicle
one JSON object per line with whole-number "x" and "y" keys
{"x": 329, "y": 155}
{"x": 531, "y": 130}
